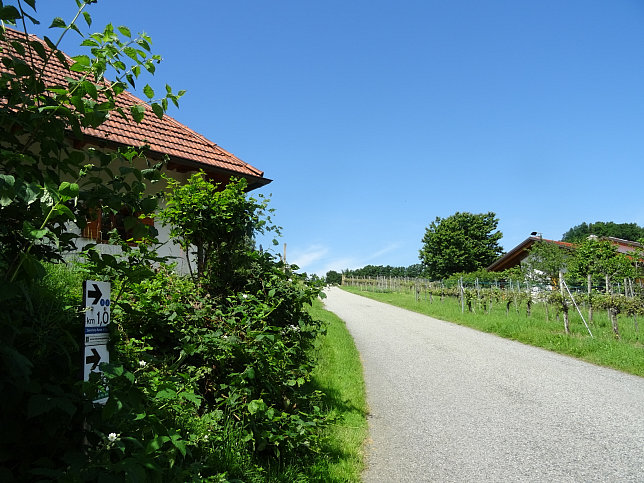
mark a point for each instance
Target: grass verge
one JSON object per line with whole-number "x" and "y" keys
{"x": 541, "y": 329}
{"x": 339, "y": 375}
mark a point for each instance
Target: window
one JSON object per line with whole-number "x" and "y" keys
{"x": 98, "y": 229}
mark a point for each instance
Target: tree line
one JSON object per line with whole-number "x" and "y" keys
{"x": 466, "y": 243}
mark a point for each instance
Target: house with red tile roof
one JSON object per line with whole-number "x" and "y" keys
{"x": 519, "y": 253}
{"x": 185, "y": 150}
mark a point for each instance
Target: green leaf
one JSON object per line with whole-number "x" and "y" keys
{"x": 6, "y": 189}
{"x": 9, "y": 13}
{"x": 149, "y": 205}
{"x": 34, "y": 20}
{"x": 74, "y": 27}
{"x": 179, "y": 444}
{"x": 19, "y": 46}
{"x": 256, "y": 405}
{"x": 138, "y": 112}
{"x": 70, "y": 190}
{"x": 64, "y": 210}
{"x": 90, "y": 88}
{"x": 157, "y": 109}
{"x": 156, "y": 444}
{"x": 143, "y": 43}
{"x": 7, "y": 179}
{"x": 58, "y": 22}
{"x": 22, "y": 69}
{"x": 81, "y": 63}
{"x": 38, "y": 233}
{"x": 39, "y": 48}
{"x": 148, "y": 91}
{"x": 132, "y": 53}
{"x": 88, "y": 19}
{"x": 125, "y": 31}
{"x": 32, "y": 266}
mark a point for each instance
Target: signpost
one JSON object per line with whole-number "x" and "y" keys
{"x": 96, "y": 302}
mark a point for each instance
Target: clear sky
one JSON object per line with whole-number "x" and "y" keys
{"x": 374, "y": 117}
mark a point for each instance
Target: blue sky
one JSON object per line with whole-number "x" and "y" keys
{"x": 374, "y": 117}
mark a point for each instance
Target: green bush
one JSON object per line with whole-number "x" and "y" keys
{"x": 40, "y": 359}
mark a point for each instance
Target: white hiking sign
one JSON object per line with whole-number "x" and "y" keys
{"x": 96, "y": 304}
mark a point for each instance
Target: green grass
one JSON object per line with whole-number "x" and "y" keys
{"x": 538, "y": 329}
{"x": 339, "y": 375}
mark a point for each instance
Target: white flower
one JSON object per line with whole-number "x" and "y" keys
{"x": 245, "y": 295}
{"x": 142, "y": 363}
{"x": 112, "y": 437}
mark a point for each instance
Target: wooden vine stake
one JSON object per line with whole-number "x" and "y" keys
{"x": 564, "y": 305}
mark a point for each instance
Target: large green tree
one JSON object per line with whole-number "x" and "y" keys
{"x": 462, "y": 242}
{"x": 625, "y": 231}
{"x": 333, "y": 277}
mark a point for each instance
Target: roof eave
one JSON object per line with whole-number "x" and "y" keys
{"x": 254, "y": 181}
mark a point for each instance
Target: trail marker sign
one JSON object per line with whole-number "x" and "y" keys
{"x": 98, "y": 315}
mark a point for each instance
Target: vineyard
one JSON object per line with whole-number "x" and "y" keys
{"x": 617, "y": 308}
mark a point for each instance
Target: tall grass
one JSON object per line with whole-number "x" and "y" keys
{"x": 339, "y": 376}
{"x": 542, "y": 328}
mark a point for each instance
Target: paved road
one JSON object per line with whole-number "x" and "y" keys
{"x": 449, "y": 403}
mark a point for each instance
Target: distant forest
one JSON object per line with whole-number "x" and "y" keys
{"x": 625, "y": 231}
{"x": 412, "y": 271}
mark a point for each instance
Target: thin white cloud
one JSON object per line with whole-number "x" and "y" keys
{"x": 307, "y": 257}
{"x": 316, "y": 259}
{"x": 387, "y": 249}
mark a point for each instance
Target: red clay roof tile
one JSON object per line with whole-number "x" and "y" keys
{"x": 165, "y": 136}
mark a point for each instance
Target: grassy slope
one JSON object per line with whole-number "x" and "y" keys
{"x": 539, "y": 329}
{"x": 339, "y": 375}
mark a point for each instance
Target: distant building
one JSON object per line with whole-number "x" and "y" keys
{"x": 519, "y": 253}
{"x": 514, "y": 257}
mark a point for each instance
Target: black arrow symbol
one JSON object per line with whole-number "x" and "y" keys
{"x": 96, "y": 293}
{"x": 94, "y": 359}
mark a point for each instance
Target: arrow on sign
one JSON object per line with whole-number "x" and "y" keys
{"x": 96, "y": 294}
{"x": 94, "y": 359}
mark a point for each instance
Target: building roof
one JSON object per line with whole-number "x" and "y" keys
{"x": 623, "y": 246}
{"x": 186, "y": 149}
{"x": 521, "y": 251}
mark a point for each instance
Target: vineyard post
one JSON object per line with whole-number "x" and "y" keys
{"x": 478, "y": 294}
{"x": 564, "y": 304}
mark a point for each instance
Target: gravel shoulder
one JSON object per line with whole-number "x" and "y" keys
{"x": 448, "y": 403}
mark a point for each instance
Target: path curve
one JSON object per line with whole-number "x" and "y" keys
{"x": 448, "y": 403}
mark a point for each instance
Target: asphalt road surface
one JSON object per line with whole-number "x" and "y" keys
{"x": 448, "y": 403}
